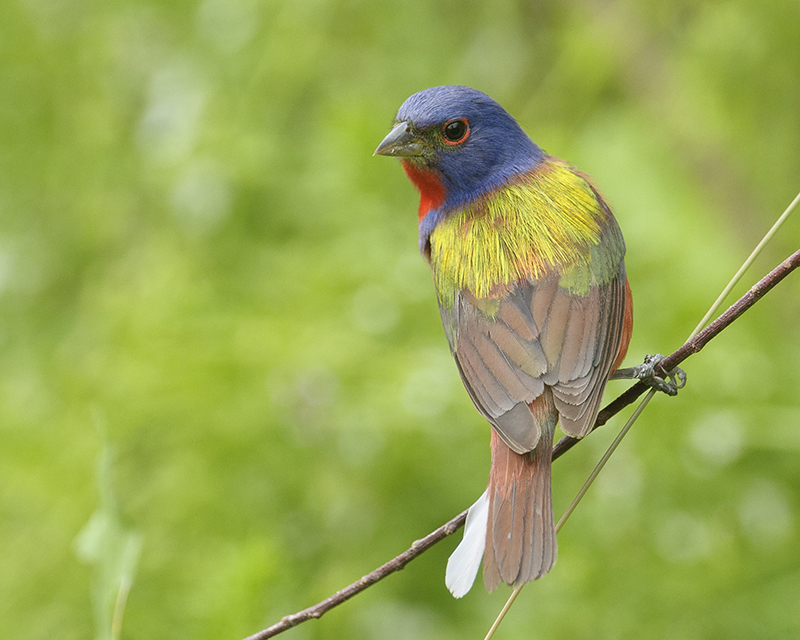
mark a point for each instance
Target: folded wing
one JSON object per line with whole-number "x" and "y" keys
{"x": 539, "y": 333}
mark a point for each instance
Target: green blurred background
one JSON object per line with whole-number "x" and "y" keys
{"x": 208, "y": 284}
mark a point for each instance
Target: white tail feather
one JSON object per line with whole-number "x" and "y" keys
{"x": 464, "y": 562}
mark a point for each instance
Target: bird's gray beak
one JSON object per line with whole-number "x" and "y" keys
{"x": 401, "y": 141}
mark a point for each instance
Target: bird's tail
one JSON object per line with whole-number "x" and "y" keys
{"x": 520, "y": 533}
{"x": 511, "y": 525}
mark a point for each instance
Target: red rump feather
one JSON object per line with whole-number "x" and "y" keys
{"x": 627, "y": 327}
{"x": 429, "y": 185}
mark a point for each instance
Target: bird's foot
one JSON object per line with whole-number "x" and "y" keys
{"x": 669, "y": 383}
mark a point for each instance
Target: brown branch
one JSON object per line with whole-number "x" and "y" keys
{"x": 691, "y": 346}
{"x": 419, "y": 546}
{"x": 565, "y": 444}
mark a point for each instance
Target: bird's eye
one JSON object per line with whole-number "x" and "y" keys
{"x": 455, "y": 131}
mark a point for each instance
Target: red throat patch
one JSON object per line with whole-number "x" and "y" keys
{"x": 429, "y": 185}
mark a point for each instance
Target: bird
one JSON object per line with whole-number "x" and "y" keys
{"x": 528, "y": 263}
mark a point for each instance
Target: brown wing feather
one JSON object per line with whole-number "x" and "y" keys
{"x": 539, "y": 334}
{"x": 494, "y": 400}
{"x": 540, "y": 303}
{"x": 553, "y": 332}
{"x": 577, "y": 400}
{"x": 573, "y": 338}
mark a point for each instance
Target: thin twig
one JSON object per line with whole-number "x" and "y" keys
{"x": 750, "y": 259}
{"x": 511, "y": 599}
{"x": 395, "y": 564}
{"x": 689, "y": 348}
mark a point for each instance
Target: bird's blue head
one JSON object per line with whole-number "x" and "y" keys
{"x": 457, "y": 144}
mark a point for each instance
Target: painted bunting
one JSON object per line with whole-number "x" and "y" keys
{"x": 528, "y": 266}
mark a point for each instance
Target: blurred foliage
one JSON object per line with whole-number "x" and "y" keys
{"x": 112, "y": 550}
{"x": 195, "y": 239}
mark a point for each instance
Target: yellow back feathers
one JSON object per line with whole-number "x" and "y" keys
{"x": 549, "y": 220}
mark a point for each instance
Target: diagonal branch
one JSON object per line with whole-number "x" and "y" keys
{"x": 395, "y": 564}
{"x": 692, "y": 346}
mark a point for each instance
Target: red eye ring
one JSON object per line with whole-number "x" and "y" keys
{"x": 455, "y": 131}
